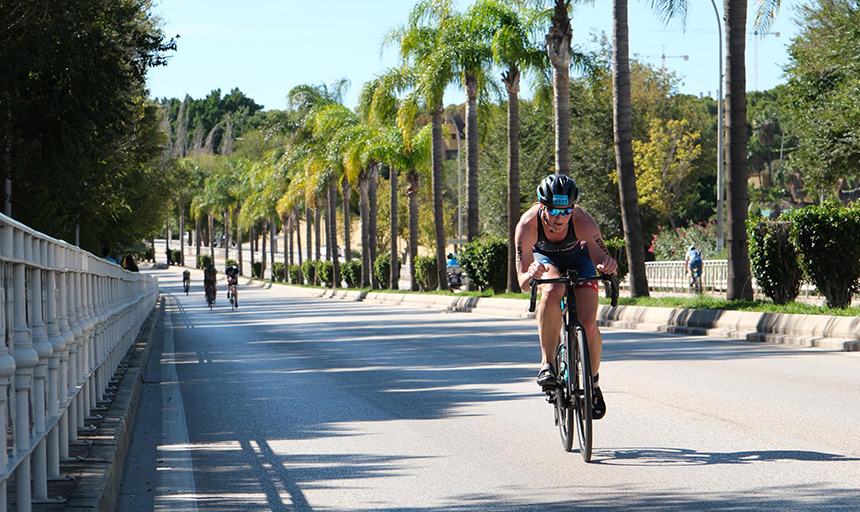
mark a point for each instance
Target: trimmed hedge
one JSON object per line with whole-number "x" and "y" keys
{"x": 325, "y": 269}
{"x": 425, "y": 273}
{"x": 485, "y": 261}
{"x": 774, "y": 259}
{"x": 309, "y": 270}
{"x": 382, "y": 270}
{"x": 295, "y": 274}
{"x": 828, "y": 238}
{"x": 351, "y": 271}
{"x": 278, "y": 272}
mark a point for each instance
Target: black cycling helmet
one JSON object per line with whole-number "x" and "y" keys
{"x": 557, "y": 190}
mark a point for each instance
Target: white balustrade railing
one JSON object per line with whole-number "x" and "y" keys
{"x": 67, "y": 318}
{"x": 672, "y": 275}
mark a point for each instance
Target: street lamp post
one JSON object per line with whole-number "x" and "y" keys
{"x": 720, "y": 121}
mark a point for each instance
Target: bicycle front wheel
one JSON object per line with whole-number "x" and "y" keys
{"x": 582, "y": 393}
{"x": 563, "y": 405}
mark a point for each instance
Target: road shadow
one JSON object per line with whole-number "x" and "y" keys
{"x": 689, "y": 457}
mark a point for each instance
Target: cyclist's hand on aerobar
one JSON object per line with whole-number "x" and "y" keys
{"x": 536, "y": 270}
{"x": 608, "y": 265}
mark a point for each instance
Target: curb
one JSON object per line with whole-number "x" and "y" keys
{"x": 819, "y": 331}
{"x": 99, "y": 477}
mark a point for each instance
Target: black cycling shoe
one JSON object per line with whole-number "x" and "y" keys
{"x": 598, "y": 409}
{"x": 546, "y": 376}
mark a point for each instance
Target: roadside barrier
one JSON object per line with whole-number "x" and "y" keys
{"x": 67, "y": 319}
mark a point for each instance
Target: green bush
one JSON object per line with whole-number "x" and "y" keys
{"x": 295, "y": 274}
{"x": 149, "y": 255}
{"x": 425, "y": 273}
{"x": 175, "y": 256}
{"x": 257, "y": 269}
{"x": 672, "y": 244}
{"x": 485, "y": 261}
{"x": 203, "y": 261}
{"x": 351, "y": 271}
{"x": 382, "y": 270}
{"x": 326, "y": 272}
{"x": 618, "y": 251}
{"x": 278, "y": 272}
{"x": 309, "y": 270}
{"x": 774, "y": 259}
{"x": 230, "y": 262}
{"x": 828, "y": 238}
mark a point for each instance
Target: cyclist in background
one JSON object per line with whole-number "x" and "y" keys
{"x": 186, "y": 280}
{"x": 693, "y": 262}
{"x": 232, "y": 273}
{"x": 209, "y": 275}
{"x": 553, "y": 236}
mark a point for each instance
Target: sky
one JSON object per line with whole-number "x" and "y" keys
{"x": 267, "y": 47}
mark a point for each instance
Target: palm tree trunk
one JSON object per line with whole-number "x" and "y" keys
{"x": 239, "y": 247}
{"x": 394, "y": 275}
{"x": 317, "y": 240}
{"x": 365, "y": 231}
{"x": 512, "y": 83}
{"x": 182, "y": 233}
{"x": 373, "y": 209}
{"x": 740, "y": 283}
{"x": 197, "y": 239}
{"x": 286, "y": 226}
{"x": 347, "y": 222}
{"x": 263, "y": 251}
{"x": 299, "y": 242}
{"x": 558, "y": 49}
{"x": 332, "y": 201}
{"x": 412, "y": 194}
{"x": 623, "y": 121}
{"x": 212, "y": 236}
{"x": 327, "y": 222}
{"x": 471, "y": 156}
{"x": 227, "y": 235}
{"x": 436, "y": 162}
{"x": 251, "y": 241}
{"x": 308, "y": 231}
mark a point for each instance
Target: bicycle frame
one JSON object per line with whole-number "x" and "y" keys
{"x": 573, "y": 396}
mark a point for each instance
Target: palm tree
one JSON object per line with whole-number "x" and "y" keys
{"x": 419, "y": 45}
{"x": 623, "y": 126}
{"x": 558, "y": 48}
{"x": 514, "y": 48}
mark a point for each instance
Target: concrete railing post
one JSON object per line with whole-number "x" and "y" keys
{"x": 25, "y": 360}
{"x": 57, "y": 344}
{"x": 43, "y": 349}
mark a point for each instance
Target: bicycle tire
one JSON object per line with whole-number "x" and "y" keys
{"x": 563, "y": 410}
{"x": 582, "y": 394}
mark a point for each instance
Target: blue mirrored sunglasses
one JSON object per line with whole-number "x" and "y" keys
{"x": 559, "y": 212}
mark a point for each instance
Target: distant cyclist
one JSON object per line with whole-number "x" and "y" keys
{"x": 693, "y": 262}
{"x": 209, "y": 275}
{"x": 232, "y": 273}
{"x": 186, "y": 280}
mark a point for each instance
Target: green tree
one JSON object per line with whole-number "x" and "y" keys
{"x": 822, "y": 93}
{"x": 665, "y": 164}
{"x": 82, "y": 142}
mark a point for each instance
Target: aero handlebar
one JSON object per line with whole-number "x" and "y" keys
{"x": 571, "y": 277}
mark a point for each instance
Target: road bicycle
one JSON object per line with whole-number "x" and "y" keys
{"x": 209, "y": 289}
{"x": 573, "y": 395}
{"x": 696, "y": 280}
{"x": 232, "y": 294}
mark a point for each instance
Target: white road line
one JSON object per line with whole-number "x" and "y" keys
{"x": 176, "y": 489}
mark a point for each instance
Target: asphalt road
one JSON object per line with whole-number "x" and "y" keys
{"x": 293, "y": 403}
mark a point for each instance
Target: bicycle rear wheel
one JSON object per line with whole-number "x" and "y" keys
{"x": 582, "y": 393}
{"x": 562, "y": 404}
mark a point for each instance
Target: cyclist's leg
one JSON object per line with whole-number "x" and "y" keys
{"x": 586, "y": 308}
{"x": 549, "y": 312}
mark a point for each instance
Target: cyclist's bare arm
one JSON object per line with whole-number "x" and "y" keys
{"x": 587, "y": 229}
{"x": 525, "y": 237}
